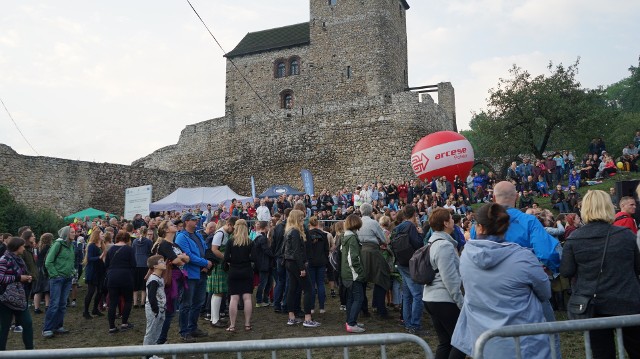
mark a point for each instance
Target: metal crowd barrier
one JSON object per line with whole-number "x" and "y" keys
{"x": 238, "y": 347}
{"x": 516, "y": 331}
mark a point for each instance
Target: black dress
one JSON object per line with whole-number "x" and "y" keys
{"x": 240, "y": 278}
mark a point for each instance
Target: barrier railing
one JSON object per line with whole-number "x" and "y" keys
{"x": 238, "y": 347}
{"x": 516, "y": 331}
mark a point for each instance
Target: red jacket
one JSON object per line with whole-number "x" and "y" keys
{"x": 624, "y": 219}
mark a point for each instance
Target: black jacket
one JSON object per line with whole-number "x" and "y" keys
{"x": 618, "y": 291}
{"x": 318, "y": 252}
{"x": 263, "y": 254}
{"x": 294, "y": 248}
{"x": 277, "y": 245}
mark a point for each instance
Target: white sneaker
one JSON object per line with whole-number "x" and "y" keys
{"x": 17, "y": 329}
{"x": 311, "y": 324}
{"x": 343, "y": 307}
{"x": 322, "y": 311}
{"x": 354, "y": 329}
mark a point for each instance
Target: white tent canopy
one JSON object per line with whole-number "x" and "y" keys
{"x": 184, "y": 198}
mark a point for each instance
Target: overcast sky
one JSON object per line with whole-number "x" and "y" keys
{"x": 112, "y": 81}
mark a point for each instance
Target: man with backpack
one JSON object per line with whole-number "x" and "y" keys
{"x": 405, "y": 240}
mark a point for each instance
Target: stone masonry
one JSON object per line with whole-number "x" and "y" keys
{"x": 344, "y": 112}
{"x": 350, "y": 117}
{"x": 67, "y": 186}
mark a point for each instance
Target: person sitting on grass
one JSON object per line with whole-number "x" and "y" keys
{"x": 543, "y": 187}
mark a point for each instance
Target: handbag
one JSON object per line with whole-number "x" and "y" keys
{"x": 582, "y": 306}
{"x": 14, "y": 296}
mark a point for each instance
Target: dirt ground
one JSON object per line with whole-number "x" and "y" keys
{"x": 266, "y": 325}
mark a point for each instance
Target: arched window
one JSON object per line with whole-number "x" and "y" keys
{"x": 286, "y": 99}
{"x": 294, "y": 67}
{"x": 281, "y": 70}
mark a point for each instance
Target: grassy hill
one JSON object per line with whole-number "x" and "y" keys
{"x": 545, "y": 202}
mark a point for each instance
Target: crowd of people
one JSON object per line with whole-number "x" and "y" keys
{"x": 499, "y": 266}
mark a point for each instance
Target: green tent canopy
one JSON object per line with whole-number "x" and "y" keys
{"x": 90, "y": 212}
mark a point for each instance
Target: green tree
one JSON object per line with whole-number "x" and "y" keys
{"x": 625, "y": 94}
{"x": 14, "y": 215}
{"x": 527, "y": 114}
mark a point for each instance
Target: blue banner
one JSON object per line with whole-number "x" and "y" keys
{"x": 307, "y": 181}
{"x": 253, "y": 187}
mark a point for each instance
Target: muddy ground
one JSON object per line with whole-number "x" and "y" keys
{"x": 266, "y": 325}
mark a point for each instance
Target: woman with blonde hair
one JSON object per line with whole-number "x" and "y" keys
{"x": 240, "y": 276}
{"x": 42, "y": 285}
{"x": 605, "y": 260}
{"x": 94, "y": 271}
{"x": 296, "y": 264}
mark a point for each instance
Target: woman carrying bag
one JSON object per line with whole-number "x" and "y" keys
{"x": 13, "y": 299}
{"x": 605, "y": 261}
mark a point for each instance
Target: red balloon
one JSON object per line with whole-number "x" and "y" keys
{"x": 444, "y": 153}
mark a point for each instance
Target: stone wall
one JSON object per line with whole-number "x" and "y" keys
{"x": 357, "y": 49}
{"x": 67, "y": 186}
{"x": 341, "y": 144}
{"x": 241, "y": 101}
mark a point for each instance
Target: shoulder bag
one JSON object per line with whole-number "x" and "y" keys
{"x": 14, "y": 296}
{"x": 582, "y": 306}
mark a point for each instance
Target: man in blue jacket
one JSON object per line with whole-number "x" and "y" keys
{"x": 192, "y": 298}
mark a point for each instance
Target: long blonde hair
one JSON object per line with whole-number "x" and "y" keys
{"x": 95, "y": 239}
{"x": 295, "y": 220}
{"x": 240, "y": 233}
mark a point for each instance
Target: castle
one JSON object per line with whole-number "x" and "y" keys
{"x": 333, "y": 98}
{"x": 330, "y": 95}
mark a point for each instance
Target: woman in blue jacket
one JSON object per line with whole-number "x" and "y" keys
{"x": 504, "y": 285}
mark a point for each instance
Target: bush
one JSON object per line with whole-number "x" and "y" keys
{"x": 14, "y": 215}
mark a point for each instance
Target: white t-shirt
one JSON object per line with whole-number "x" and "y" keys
{"x": 263, "y": 213}
{"x": 220, "y": 238}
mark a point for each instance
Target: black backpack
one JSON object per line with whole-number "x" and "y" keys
{"x": 401, "y": 246}
{"x": 420, "y": 267}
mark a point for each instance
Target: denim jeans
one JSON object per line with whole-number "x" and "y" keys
{"x": 563, "y": 207}
{"x": 297, "y": 285}
{"x": 192, "y": 300}
{"x": 279, "y": 297}
{"x": 379, "y": 300}
{"x": 59, "y": 288}
{"x": 547, "y": 310}
{"x": 169, "y": 314}
{"x": 412, "y": 306}
{"x": 355, "y": 297}
{"x": 317, "y": 275}
{"x": 262, "y": 292}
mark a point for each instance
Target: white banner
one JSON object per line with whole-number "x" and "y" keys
{"x": 440, "y": 156}
{"x": 137, "y": 200}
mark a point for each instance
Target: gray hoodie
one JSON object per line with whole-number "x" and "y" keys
{"x": 444, "y": 258}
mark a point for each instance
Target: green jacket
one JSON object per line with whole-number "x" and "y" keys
{"x": 351, "y": 268}
{"x": 60, "y": 259}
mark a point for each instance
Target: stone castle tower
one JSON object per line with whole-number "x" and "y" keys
{"x": 330, "y": 95}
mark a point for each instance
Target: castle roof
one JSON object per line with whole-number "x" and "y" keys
{"x": 272, "y": 39}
